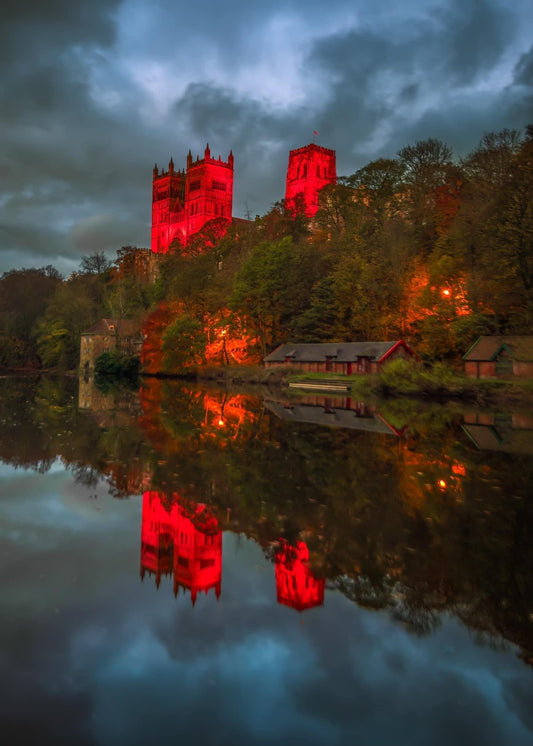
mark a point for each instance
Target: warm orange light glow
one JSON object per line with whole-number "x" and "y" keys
{"x": 225, "y": 414}
{"x": 459, "y": 469}
{"x": 228, "y": 345}
{"x": 442, "y": 484}
{"x": 446, "y": 292}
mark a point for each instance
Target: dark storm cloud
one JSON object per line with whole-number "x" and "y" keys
{"x": 64, "y": 158}
{"x": 470, "y": 36}
{"x": 61, "y": 22}
{"x": 524, "y": 69}
{"x": 411, "y": 81}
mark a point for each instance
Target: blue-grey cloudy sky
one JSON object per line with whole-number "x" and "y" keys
{"x": 93, "y": 92}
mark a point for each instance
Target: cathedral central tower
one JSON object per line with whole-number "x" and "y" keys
{"x": 311, "y": 168}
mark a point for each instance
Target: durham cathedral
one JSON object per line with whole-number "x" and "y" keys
{"x": 183, "y": 201}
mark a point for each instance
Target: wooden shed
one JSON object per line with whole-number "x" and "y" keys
{"x": 338, "y": 357}
{"x": 500, "y": 356}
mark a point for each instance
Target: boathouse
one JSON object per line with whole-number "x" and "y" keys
{"x": 500, "y": 356}
{"x": 339, "y": 357}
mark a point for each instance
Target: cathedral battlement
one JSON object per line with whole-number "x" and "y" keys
{"x": 306, "y": 149}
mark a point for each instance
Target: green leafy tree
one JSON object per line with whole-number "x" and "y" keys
{"x": 490, "y": 239}
{"x": 184, "y": 343}
{"x": 428, "y": 168}
{"x": 24, "y": 295}
{"x": 130, "y": 291}
{"x": 273, "y": 288}
{"x": 72, "y": 309}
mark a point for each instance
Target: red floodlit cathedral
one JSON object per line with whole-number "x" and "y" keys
{"x": 174, "y": 543}
{"x": 183, "y": 201}
{"x": 296, "y": 585}
{"x": 311, "y": 168}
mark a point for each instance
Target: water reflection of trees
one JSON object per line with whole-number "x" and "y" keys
{"x": 415, "y": 525}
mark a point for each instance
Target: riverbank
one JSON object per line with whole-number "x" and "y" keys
{"x": 401, "y": 379}
{"x": 404, "y": 379}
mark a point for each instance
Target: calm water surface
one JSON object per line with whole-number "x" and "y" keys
{"x": 222, "y": 568}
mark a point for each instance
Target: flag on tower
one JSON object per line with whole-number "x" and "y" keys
{"x": 315, "y": 133}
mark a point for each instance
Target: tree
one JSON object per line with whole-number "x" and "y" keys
{"x": 73, "y": 308}
{"x": 490, "y": 238}
{"x": 490, "y": 163}
{"x": 426, "y": 162}
{"x": 428, "y": 168}
{"x": 184, "y": 343}
{"x": 24, "y": 295}
{"x": 95, "y": 264}
{"x": 381, "y": 186}
{"x": 319, "y": 322}
{"x": 274, "y": 286}
{"x": 130, "y": 289}
{"x": 364, "y": 298}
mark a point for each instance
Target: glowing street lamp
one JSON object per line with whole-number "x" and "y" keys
{"x": 224, "y": 351}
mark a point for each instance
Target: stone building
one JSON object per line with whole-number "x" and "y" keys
{"x": 107, "y": 335}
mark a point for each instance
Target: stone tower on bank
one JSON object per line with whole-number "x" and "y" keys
{"x": 184, "y": 201}
{"x": 310, "y": 169}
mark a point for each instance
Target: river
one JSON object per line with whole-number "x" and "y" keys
{"x": 223, "y": 567}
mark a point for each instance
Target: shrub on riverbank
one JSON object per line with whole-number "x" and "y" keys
{"x": 115, "y": 366}
{"x": 413, "y": 378}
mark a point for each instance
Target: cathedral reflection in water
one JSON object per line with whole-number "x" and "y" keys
{"x": 183, "y": 541}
